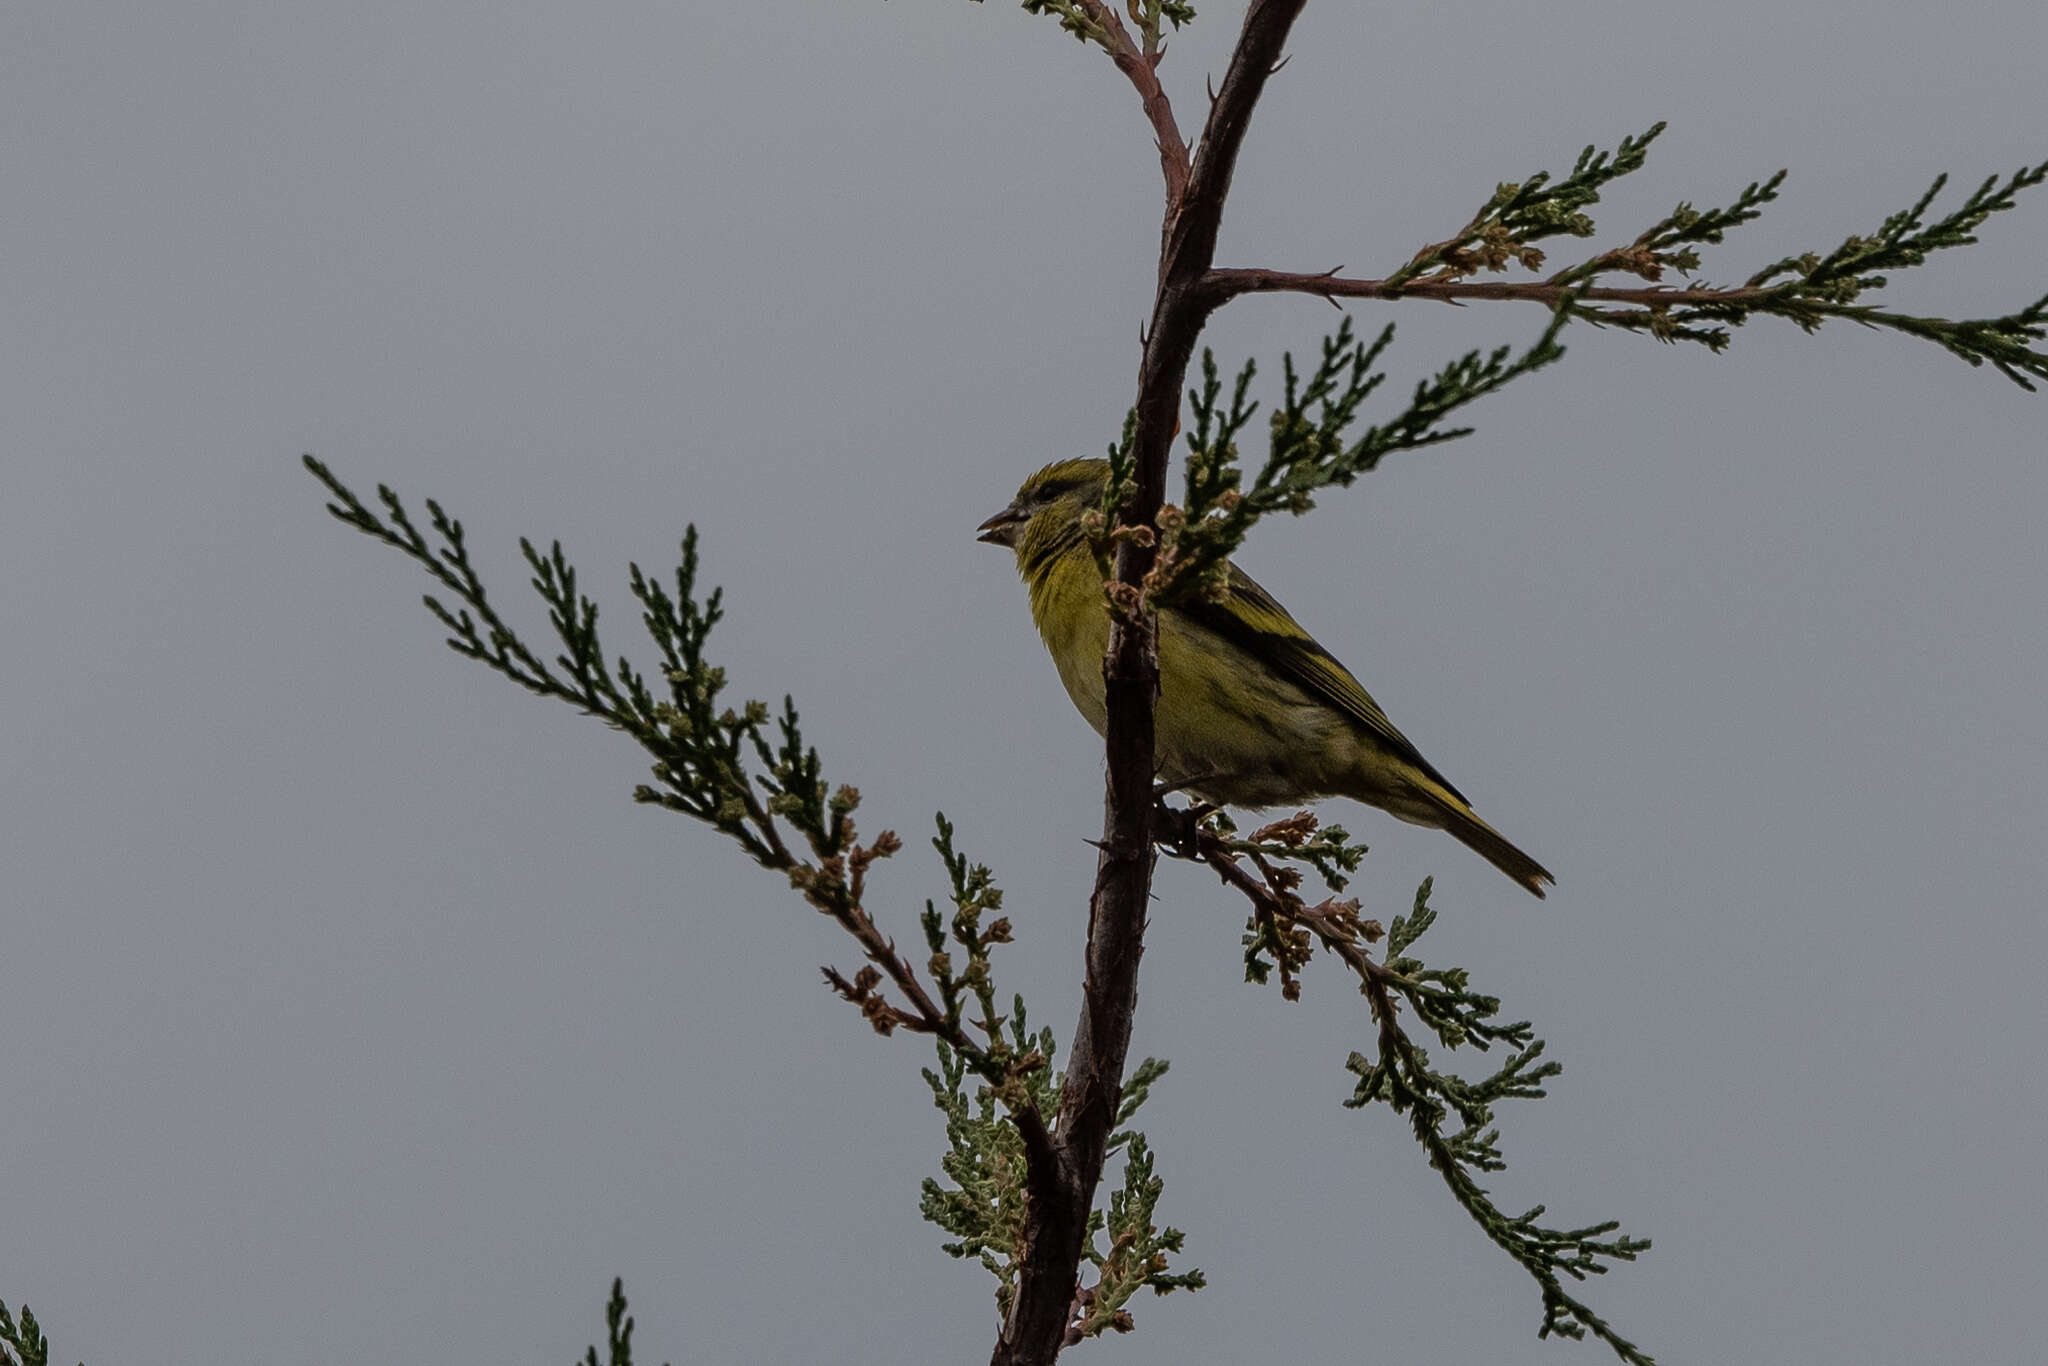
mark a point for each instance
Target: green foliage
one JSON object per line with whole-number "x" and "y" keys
{"x": 984, "y": 1206}
{"x": 752, "y": 780}
{"x": 1400, "y": 1075}
{"x": 1821, "y": 287}
{"x": 1520, "y": 213}
{"x": 719, "y": 764}
{"x": 1075, "y": 18}
{"x": 1271, "y": 941}
{"x": 1123, "y": 472}
{"x": 1806, "y": 289}
{"x": 1282, "y": 937}
{"x": 985, "y": 1159}
{"x": 1302, "y": 838}
{"x": 1093, "y": 21}
{"x": 1310, "y": 441}
{"x": 722, "y": 765}
{"x": 618, "y": 1331}
{"x": 1902, "y": 241}
{"x": 22, "y": 1343}
{"x": 1139, "y": 1251}
{"x": 1018, "y": 1067}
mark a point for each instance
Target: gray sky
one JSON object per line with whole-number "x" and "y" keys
{"x": 352, "y": 1012}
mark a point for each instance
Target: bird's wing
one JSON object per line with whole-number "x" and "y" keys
{"x": 1254, "y": 621}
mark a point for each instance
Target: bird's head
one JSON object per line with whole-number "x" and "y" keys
{"x": 1049, "y": 506}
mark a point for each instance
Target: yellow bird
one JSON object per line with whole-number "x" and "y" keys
{"x": 1252, "y": 711}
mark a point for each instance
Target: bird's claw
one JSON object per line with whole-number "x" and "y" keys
{"x": 1179, "y": 828}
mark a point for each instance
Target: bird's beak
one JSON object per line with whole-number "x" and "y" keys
{"x": 1002, "y": 528}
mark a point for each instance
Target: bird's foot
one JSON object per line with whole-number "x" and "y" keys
{"x": 1179, "y": 828}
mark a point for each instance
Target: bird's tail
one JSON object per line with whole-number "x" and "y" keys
{"x": 1427, "y": 803}
{"x": 1487, "y": 842}
{"x": 1419, "y": 795}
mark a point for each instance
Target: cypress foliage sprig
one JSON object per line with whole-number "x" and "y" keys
{"x": 1520, "y": 213}
{"x": 1300, "y": 838}
{"x": 1006, "y": 1061}
{"x": 1074, "y": 18}
{"x": 1400, "y": 1075}
{"x": 981, "y": 1194}
{"x": 702, "y": 749}
{"x": 1903, "y": 240}
{"x": 1091, "y": 20}
{"x": 1139, "y": 1252}
{"x": 22, "y": 1343}
{"x": 1282, "y": 937}
{"x": 750, "y": 776}
{"x": 618, "y": 1331}
{"x": 1099, "y": 520}
{"x": 985, "y": 1160}
{"x": 1811, "y": 288}
{"x": 1311, "y": 442}
{"x": 1806, "y": 289}
{"x": 1668, "y": 243}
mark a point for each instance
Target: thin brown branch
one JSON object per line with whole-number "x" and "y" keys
{"x": 777, "y": 856}
{"x": 1056, "y": 1224}
{"x": 1140, "y": 66}
{"x": 1228, "y": 284}
{"x": 924, "y": 1015}
{"x": 1278, "y": 908}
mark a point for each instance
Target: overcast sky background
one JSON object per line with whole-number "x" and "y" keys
{"x": 353, "y": 1013}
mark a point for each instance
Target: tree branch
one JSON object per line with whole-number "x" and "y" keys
{"x": 1441, "y": 1001}
{"x": 1229, "y": 283}
{"x": 1037, "y": 1324}
{"x": 1141, "y": 68}
{"x": 1806, "y": 290}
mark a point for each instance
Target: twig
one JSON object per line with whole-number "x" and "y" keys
{"x": 1231, "y": 282}
{"x": 1140, "y": 67}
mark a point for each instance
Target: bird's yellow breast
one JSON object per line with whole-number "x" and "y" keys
{"x": 1227, "y": 726}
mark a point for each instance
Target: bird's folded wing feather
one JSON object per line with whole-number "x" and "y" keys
{"x": 1256, "y": 623}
